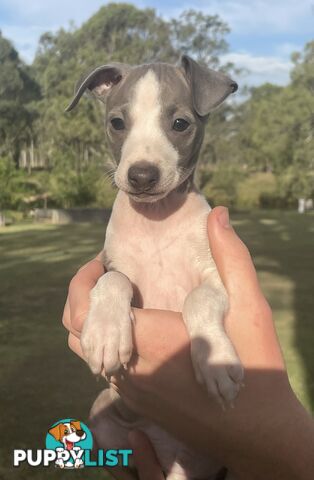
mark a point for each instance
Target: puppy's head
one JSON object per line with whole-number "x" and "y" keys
{"x": 68, "y": 433}
{"x": 155, "y": 119}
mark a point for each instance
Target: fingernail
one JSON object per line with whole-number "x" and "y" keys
{"x": 223, "y": 218}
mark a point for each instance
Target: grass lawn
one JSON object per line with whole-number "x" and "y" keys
{"x": 41, "y": 381}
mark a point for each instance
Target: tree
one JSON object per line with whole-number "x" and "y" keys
{"x": 272, "y": 131}
{"x": 18, "y": 91}
{"x": 117, "y": 32}
{"x": 201, "y": 36}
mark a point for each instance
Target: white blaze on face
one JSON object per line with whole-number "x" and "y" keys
{"x": 146, "y": 139}
{"x": 72, "y": 435}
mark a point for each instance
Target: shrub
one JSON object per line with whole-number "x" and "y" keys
{"x": 221, "y": 189}
{"x": 77, "y": 184}
{"x": 295, "y": 183}
{"x": 257, "y": 191}
{"x": 105, "y": 192}
{"x": 15, "y": 186}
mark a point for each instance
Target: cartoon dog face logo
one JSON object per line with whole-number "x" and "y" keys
{"x": 68, "y": 433}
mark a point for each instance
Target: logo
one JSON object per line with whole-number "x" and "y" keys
{"x": 69, "y": 438}
{"x": 69, "y": 445}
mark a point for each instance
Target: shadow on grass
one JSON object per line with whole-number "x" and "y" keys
{"x": 41, "y": 381}
{"x": 281, "y": 244}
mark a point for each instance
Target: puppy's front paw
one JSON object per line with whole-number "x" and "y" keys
{"x": 217, "y": 365}
{"x": 106, "y": 338}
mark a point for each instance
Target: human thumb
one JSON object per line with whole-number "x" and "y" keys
{"x": 231, "y": 256}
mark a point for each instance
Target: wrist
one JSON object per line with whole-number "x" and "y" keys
{"x": 280, "y": 447}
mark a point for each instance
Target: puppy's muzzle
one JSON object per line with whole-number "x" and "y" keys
{"x": 143, "y": 176}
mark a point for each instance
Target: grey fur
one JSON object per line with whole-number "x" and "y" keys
{"x": 209, "y": 88}
{"x": 166, "y": 237}
{"x": 197, "y": 91}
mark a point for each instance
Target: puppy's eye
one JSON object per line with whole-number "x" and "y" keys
{"x": 66, "y": 432}
{"x": 117, "y": 123}
{"x": 180, "y": 124}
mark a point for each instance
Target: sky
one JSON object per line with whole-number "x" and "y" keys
{"x": 263, "y": 35}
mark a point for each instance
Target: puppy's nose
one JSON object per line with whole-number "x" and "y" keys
{"x": 80, "y": 433}
{"x": 143, "y": 176}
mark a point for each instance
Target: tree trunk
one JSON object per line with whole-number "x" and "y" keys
{"x": 32, "y": 159}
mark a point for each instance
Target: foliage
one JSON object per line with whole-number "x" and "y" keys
{"x": 72, "y": 184}
{"x": 257, "y": 191}
{"x": 221, "y": 186}
{"x": 18, "y": 91}
{"x": 201, "y": 36}
{"x": 270, "y": 132}
{"x": 295, "y": 183}
{"x": 13, "y": 185}
{"x": 8, "y": 176}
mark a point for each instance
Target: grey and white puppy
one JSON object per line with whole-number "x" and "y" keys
{"x": 156, "y": 251}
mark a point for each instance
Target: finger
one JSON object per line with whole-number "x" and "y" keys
{"x": 99, "y": 259}
{"x": 252, "y": 316}
{"x": 231, "y": 256}
{"x": 129, "y": 393}
{"x": 79, "y": 292}
{"x": 75, "y": 345}
{"x": 66, "y": 321}
{"x": 145, "y": 457}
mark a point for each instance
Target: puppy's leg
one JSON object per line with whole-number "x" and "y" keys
{"x": 214, "y": 358}
{"x": 107, "y": 337}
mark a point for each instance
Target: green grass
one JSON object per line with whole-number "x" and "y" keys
{"x": 42, "y": 381}
{"x": 282, "y": 244}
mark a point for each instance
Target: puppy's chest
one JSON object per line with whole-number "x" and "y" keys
{"x": 163, "y": 261}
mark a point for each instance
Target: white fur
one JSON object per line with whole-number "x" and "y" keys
{"x": 169, "y": 261}
{"x": 108, "y": 344}
{"x": 164, "y": 253}
{"x": 73, "y": 438}
{"x": 146, "y": 139}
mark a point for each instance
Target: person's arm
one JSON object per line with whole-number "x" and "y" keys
{"x": 268, "y": 434}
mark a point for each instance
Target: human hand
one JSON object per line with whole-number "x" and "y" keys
{"x": 144, "y": 457}
{"x": 256, "y": 437}
{"x": 77, "y": 302}
{"x": 268, "y": 434}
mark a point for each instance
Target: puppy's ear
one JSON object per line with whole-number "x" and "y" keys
{"x": 56, "y": 432}
{"x": 209, "y": 88}
{"x": 100, "y": 81}
{"x": 76, "y": 424}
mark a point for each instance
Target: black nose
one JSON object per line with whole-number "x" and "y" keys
{"x": 80, "y": 433}
{"x": 143, "y": 176}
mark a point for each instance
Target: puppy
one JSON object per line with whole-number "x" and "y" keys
{"x": 156, "y": 251}
{"x": 68, "y": 434}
